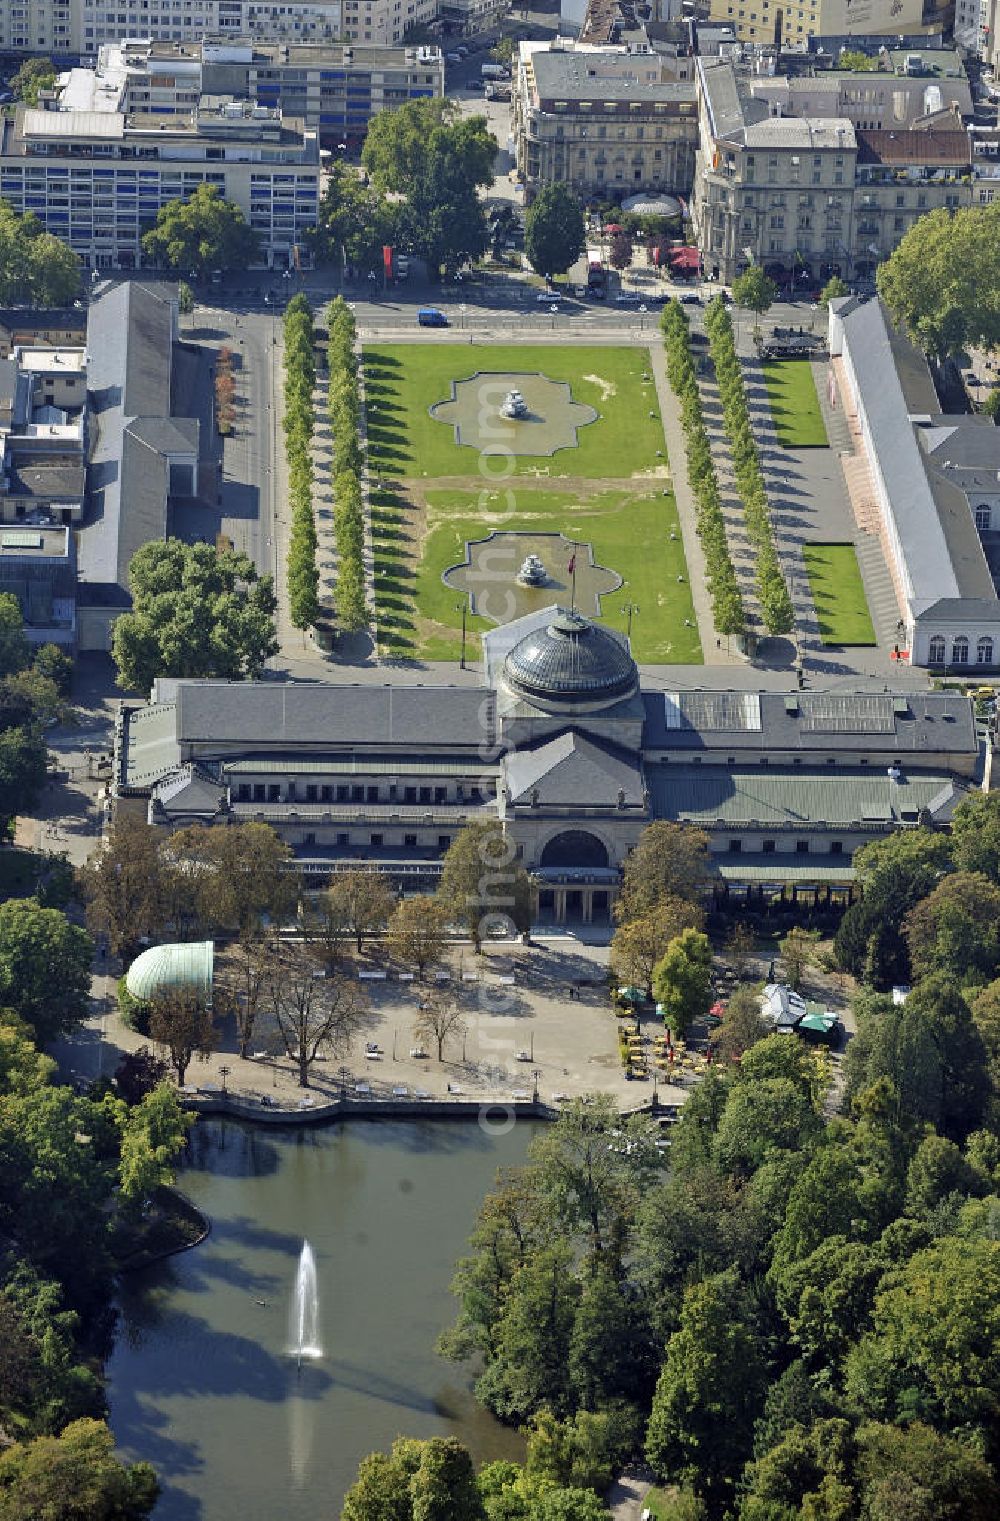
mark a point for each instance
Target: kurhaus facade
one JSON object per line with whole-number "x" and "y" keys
{"x": 566, "y": 749}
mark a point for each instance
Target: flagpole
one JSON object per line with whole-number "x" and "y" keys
{"x": 572, "y": 595}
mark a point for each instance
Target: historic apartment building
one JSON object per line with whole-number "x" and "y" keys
{"x": 807, "y": 196}
{"x": 96, "y": 172}
{"x": 792, "y": 22}
{"x": 565, "y": 747}
{"x": 79, "y": 27}
{"x": 334, "y": 89}
{"x": 604, "y": 120}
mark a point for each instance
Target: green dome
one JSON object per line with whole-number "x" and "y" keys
{"x": 187, "y": 965}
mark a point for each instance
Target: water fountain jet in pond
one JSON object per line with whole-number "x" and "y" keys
{"x": 305, "y": 1308}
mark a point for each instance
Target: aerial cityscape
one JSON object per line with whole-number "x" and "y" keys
{"x": 499, "y": 674}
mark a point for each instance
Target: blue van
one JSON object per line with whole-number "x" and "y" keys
{"x": 430, "y": 316}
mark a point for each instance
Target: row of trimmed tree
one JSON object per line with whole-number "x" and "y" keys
{"x": 299, "y": 425}
{"x": 727, "y": 603}
{"x": 348, "y": 513}
{"x": 772, "y": 593}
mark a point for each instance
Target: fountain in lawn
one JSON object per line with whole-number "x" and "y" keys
{"x": 304, "y": 1328}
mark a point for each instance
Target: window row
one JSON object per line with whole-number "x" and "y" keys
{"x": 937, "y": 651}
{"x": 343, "y": 792}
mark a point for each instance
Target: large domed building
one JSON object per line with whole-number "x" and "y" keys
{"x": 566, "y": 746}
{"x": 569, "y": 665}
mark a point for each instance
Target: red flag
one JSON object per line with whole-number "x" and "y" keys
{"x": 572, "y": 563}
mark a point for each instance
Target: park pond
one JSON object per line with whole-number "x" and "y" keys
{"x": 201, "y": 1383}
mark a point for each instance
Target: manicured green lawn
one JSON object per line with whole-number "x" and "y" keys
{"x": 657, "y": 1500}
{"x": 404, "y": 381}
{"x": 420, "y": 528}
{"x": 798, "y": 421}
{"x": 629, "y": 534}
{"x": 838, "y": 594}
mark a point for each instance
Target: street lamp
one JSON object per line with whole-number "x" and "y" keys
{"x": 535, "y": 1075}
{"x": 630, "y": 609}
{"x": 463, "y": 608}
{"x": 224, "y": 1073}
{"x": 344, "y": 1073}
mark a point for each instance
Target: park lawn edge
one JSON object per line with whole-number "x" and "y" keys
{"x": 835, "y": 580}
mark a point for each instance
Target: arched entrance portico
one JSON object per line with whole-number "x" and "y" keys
{"x": 575, "y": 879}
{"x": 575, "y": 847}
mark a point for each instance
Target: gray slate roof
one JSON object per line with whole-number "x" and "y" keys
{"x": 573, "y": 771}
{"x": 810, "y": 722}
{"x": 932, "y": 521}
{"x": 130, "y": 354}
{"x": 710, "y": 795}
{"x": 275, "y": 715}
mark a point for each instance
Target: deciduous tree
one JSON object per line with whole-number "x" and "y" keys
{"x": 798, "y": 952}
{"x": 418, "y": 932}
{"x": 196, "y": 611}
{"x": 439, "y": 1018}
{"x": 483, "y": 886}
{"x": 44, "y": 967}
{"x": 742, "y": 1025}
{"x": 124, "y": 885}
{"x": 682, "y": 979}
{"x": 553, "y": 230}
{"x": 755, "y": 291}
{"x": 73, "y": 1475}
{"x": 639, "y": 944}
{"x": 933, "y": 282}
{"x": 670, "y": 859}
{"x": 361, "y": 901}
{"x": 201, "y": 233}
{"x": 181, "y": 1023}
{"x": 153, "y": 1135}
{"x": 708, "y": 1392}
{"x": 313, "y": 1012}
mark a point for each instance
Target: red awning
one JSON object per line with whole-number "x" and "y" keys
{"x": 685, "y": 260}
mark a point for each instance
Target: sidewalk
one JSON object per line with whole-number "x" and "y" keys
{"x": 714, "y": 652}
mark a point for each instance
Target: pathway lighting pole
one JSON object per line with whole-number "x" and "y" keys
{"x": 462, "y": 607}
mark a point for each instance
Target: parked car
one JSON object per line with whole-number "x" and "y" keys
{"x": 689, "y": 299}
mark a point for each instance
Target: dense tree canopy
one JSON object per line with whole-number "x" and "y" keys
{"x": 483, "y": 885}
{"x": 942, "y": 283}
{"x": 36, "y": 268}
{"x": 196, "y": 611}
{"x": 553, "y": 230}
{"x": 201, "y": 233}
{"x": 44, "y": 967}
{"x": 437, "y": 160}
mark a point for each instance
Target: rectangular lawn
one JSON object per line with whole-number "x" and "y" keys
{"x": 838, "y": 594}
{"x": 403, "y": 381}
{"x": 795, "y": 411}
{"x": 431, "y": 494}
{"x": 630, "y": 535}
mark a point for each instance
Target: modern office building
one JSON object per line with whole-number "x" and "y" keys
{"x": 604, "y": 120}
{"x": 334, "y": 89}
{"x": 563, "y": 746}
{"x": 928, "y": 484}
{"x": 96, "y": 173}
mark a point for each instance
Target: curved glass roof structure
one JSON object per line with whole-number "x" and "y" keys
{"x": 184, "y": 965}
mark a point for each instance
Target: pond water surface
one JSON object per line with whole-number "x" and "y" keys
{"x": 201, "y": 1382}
